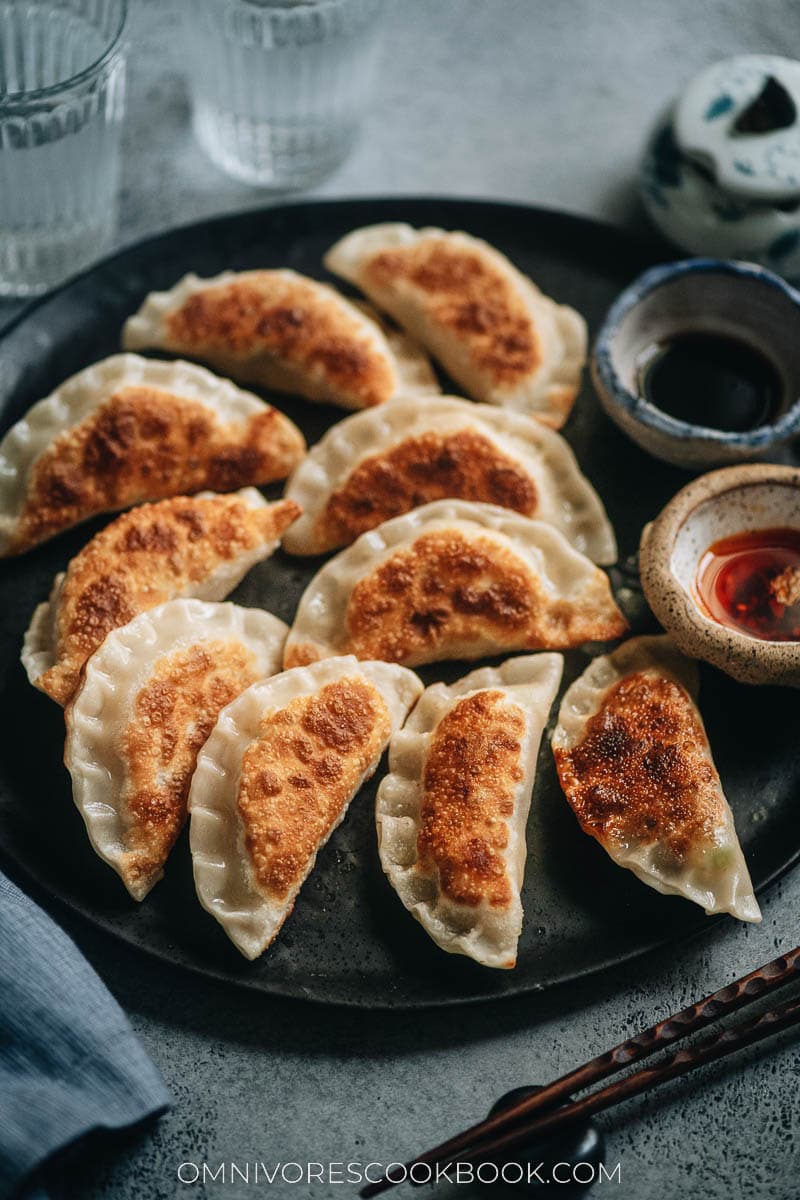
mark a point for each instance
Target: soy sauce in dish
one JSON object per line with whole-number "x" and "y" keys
{"x": 711, "y": 379}
{"x": 751, "y": 582}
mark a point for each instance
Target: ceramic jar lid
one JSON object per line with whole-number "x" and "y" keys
{"x": 740, "y": 119}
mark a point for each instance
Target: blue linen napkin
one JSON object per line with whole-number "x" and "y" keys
{"x": 70, "y": 1063}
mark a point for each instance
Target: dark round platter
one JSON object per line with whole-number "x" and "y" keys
{"x": 349, "y": 941}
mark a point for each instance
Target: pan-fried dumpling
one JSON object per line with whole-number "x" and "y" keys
{"x": 149, "y": 698}
{"x": 452, "y": 812}
{"x": 488, "y": 325}
{"x": 281, "y": 330}
{"x": 379, "y": 464}
{"x": 453, "y": 579}
{"x": 276, "y": 777}
{"x": 635, "y": 764}
{"x": 130, "y": 429}
{"x": 199, "y": 546}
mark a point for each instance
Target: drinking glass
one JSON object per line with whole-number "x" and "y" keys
{"x": 278, "y": 86}
{"x": 62, "y": 94}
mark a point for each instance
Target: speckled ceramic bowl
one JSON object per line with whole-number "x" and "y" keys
{"x": 715, "y": 506}
{"x": 696, "y": 295}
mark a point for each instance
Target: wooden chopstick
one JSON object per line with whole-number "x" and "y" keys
{"x": 736, "y": 995}
{"x": 680, "y": 1062}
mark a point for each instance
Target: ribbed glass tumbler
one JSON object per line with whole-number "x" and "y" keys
{"x": 62, "y": 91}
{"x": 279, "y": 86}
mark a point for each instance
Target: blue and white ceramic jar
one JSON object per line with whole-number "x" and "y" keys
{"x": 721, "y": 170}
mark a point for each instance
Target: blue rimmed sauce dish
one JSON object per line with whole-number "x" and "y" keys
{"x": 717, "y": 344}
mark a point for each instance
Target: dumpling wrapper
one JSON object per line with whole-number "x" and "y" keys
{"x": 453, "y": 579}
{"x": 132, "y": 429}
{"x": 282, "y": 330}
{"x": 452, "y": 812}
{"x": 149, "y": 697}
{"x": 489, "y": 326}
{"x": 200, "y": 546}
{"x": 635, "y": 764}
{"x": 276, "y": 777}
{"x": 381, "y": 463}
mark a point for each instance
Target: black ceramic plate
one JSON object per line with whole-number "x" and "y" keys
{"x": 349, "y": 940}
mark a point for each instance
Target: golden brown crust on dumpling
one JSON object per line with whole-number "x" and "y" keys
{"x": 446, "y": 588}
{"x": 430, "y": 466}
{"x": 173, "y": 715}
{"x": 465, "y": 293}
{"x": 471, "y": 772}
{"x": 149, "y": 555}
{"x": 642, "y": 773}
{"x": 266, "y": 312}
{"x": 559, "y": 402}
{"x": 301, "y": 772}
{"x": 145, "y": 443}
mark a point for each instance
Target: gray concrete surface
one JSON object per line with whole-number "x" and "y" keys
{"x": 545, "y": 102}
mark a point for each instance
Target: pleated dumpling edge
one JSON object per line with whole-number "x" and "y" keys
{"x": 451, "y": 813}
{"x": 635, "y": 764}
{"x": 453, "y": 579}
{"x": 277, "y": 776}
{"x": 502, "y": 339}
{"x": 188, "y": 546}
{"x": 129, "y": 430}
{"x": 379, "y": 464}
{"x": 282, "y": 330}
{"x": 148, "y": 698}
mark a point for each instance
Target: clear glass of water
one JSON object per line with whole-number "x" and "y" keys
{"x": 279, "y": 86}
{"x": 62, "y": 95}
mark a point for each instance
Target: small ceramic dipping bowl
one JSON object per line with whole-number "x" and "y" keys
{"x": 719, "y": 505}
{"x": 728, "y": 299}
